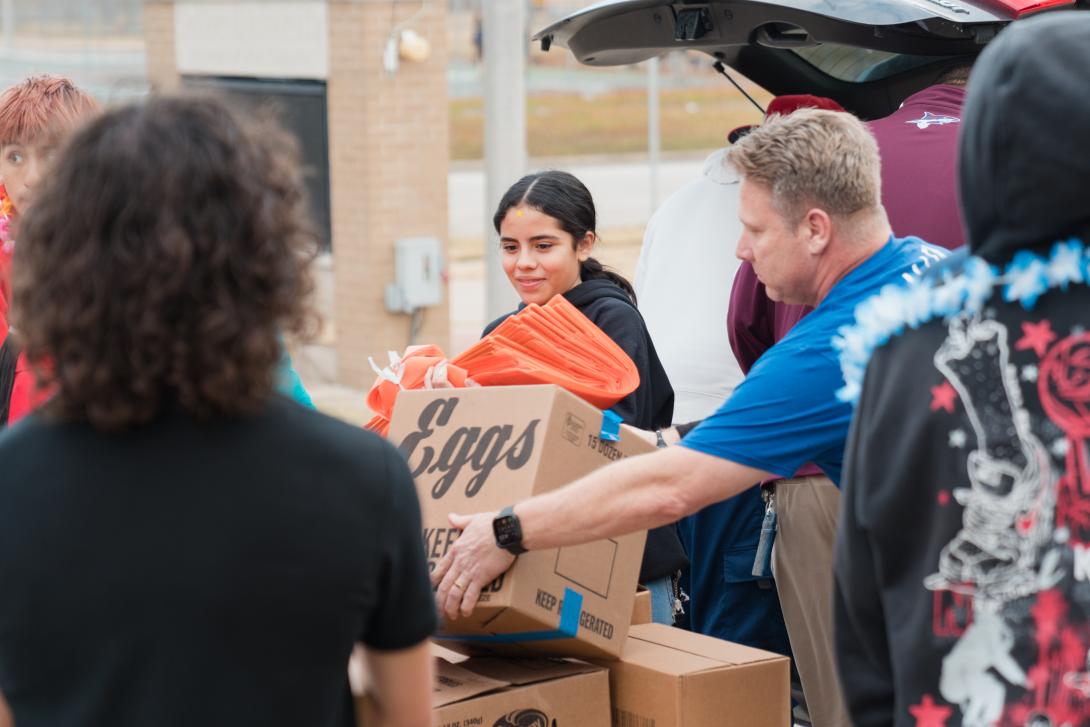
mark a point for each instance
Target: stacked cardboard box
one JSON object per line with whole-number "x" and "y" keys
{"x": 524, "y": 692}
{"x": 669, "y": 677}
{"x": 480, "y": 449}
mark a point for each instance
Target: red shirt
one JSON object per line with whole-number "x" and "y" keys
{"x": 25, "y": 394}
{"x": 7, "y": 247}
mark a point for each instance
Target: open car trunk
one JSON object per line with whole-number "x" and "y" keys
{"x": 869, "y": 55}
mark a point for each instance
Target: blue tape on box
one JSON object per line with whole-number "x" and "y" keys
{"x": 569, "y": 625}
{"x": 611, "y": 426}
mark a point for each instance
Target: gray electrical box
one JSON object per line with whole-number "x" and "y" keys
{"x": 418, "y": 270}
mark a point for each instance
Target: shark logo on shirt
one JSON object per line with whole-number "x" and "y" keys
{"x": 930, "y": 119}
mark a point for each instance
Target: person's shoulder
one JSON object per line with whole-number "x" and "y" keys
{"x": 900, "y": 260}
{"x": 25, "y": 438}
{"x": 612, "y": 310}
{"x": 718, "y": 169}
{"x": 715, "y": 174}
{"x": 332, "y": 441}
{"x": 927, "y": 109}
{"x": 912, "y": 245}
{"x": 33, "y": 452}
{"x": 495, "y": 324}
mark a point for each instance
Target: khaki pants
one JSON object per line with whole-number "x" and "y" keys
{"x": 802, "y": 563}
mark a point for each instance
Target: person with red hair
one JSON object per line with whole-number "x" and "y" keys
{"x": 36, "y": 116}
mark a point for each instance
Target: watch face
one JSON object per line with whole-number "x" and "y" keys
{"x": 507, "y": 529}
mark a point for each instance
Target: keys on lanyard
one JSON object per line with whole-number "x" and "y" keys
{"x": 762, "y": 562}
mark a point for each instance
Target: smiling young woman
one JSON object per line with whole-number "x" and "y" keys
{"x": 546, "y": 222}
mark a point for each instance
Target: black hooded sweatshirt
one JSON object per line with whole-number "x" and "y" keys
{"x": 963, "y": 557}
{"x": 650, "y": 406}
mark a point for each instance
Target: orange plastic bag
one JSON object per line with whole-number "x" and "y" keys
{"x": 550, "y": 344}
{"x": 553, "y": 344}
{"x": 420, "y": 367}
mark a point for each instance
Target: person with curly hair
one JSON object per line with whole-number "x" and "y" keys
{"x": 180, "y": 544}
{"x": 36, "y": 117}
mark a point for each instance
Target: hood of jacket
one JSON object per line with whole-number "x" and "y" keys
{"x": 587, "y": 292}
{"x": 1023, "y": 166}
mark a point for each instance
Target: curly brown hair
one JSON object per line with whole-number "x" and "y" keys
{"x": 163, "y": 258}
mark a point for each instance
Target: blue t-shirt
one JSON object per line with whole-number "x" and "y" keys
{"x": 785, "y": 413}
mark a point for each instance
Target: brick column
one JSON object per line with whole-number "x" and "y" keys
{"x": 159, "y": 45}
{"x": 388, "y": 156}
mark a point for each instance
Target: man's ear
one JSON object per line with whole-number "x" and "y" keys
{"x": 817, "y": 229}
{"x": 585, "y": 246}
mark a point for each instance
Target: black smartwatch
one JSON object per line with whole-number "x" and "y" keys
{"x": 508, "y": 531}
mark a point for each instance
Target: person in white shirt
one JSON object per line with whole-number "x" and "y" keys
{"x": 683, "y": 282}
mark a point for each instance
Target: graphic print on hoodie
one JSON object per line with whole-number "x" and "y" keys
{"x": 963, "y": 560}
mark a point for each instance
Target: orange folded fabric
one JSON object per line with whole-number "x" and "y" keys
{"x": 550, "y": 344}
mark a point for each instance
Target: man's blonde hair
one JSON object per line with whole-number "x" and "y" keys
{"x": 813, "y": 158}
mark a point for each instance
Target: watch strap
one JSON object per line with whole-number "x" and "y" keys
{"x": 515, "y": 548}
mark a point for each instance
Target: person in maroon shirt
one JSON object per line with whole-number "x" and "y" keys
{"x": 918, "y": 143}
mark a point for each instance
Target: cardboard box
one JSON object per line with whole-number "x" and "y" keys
{"x": 641, "y": 607}
{"x": 495, "y": 692}
{"x": 668, "y": 677}
{"x": 481, "y": 449}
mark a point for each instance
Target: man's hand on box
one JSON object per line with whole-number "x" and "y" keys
{"x": 471, "y": 563}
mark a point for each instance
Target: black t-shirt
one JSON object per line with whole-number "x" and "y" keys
{"x": 186, "y": 574}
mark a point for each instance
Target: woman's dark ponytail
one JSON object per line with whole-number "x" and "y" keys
{"x": 591, "y": 269}
{"x": 567, "y": 200}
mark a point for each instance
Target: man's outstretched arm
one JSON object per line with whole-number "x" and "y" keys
{"x": 637, "y": 493}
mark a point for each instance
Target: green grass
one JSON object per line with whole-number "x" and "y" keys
{"x": 570, "y": 124}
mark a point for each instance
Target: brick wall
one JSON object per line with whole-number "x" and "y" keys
{"x": 159, "y": 41}
{"x": 389, "y": 156}
{"x": 389, "y": 153}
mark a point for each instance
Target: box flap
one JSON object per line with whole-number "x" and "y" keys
{"x": 454, "y": 683}
{"x": 442, "y": 652}
{"x": 698, "y": 651}
{"x": 665, "y": 660}
{"x": 522, "y": 671}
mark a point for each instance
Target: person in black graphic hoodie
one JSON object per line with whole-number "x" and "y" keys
{"x": 963, "y": 556}
{"x": 546, "y": 222}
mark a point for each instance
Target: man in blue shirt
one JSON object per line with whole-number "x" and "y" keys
{"x": 816, "y": 233}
